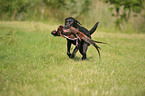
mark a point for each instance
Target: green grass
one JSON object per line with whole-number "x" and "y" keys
{"x": 34, "y": 63}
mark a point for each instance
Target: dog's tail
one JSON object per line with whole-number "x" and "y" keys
{"x": 94, "y": 28}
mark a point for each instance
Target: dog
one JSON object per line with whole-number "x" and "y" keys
{"x": 81, "y": 45}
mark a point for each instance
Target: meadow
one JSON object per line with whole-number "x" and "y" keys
{"x": 34, "y": 63}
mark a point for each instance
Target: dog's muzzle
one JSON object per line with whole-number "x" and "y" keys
{"x": 67, "y": 26}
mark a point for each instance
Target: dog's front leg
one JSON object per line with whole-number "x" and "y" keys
{"x": 76, "y": 49}
{"x": 68, "y": 48}
{"x": 74, "y": 52}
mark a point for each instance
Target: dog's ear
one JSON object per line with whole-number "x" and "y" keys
{"x": 76, "y": 21}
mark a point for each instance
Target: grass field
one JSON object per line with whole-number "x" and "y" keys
{"x": 34, "y": 63}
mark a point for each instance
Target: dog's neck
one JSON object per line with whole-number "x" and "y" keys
{"x": 76, "y": 26}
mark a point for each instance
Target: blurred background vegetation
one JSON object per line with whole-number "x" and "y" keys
{"x": 127, "y": 16}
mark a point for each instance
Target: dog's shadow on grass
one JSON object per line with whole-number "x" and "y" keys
{"x": 79, "y": 59}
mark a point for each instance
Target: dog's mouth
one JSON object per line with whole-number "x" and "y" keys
{"x": 67, "y": 26}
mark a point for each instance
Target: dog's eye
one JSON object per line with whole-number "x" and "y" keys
{"x": 68, "y": 21}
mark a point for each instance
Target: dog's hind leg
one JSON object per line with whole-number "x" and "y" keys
{"x": 83, "y": 50}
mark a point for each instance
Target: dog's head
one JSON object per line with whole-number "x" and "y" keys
{"x": 70, "y": 21}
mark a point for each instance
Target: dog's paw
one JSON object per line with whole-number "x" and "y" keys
{"x": 69, "y": 54}
{"x": 83, "y": 58}
{"x": 72, "y": 56}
